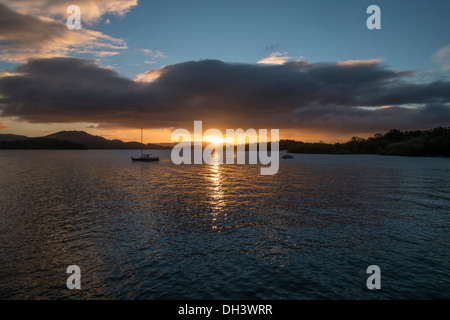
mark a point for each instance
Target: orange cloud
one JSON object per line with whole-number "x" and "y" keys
{"x": 4, "y": 126}
{"x": 150, "y": 75}
{"x": 91, "y": 10}
{"x": 25, "y": 36}
{"x": 358, "y": 62}
{"x": 275, "y": 58}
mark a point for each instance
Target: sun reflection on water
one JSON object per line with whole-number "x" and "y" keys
{"x": 217, "y": 194}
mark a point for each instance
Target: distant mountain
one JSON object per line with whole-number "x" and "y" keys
{"x": 11, "y": 137}
{"x": 97, "y": 142}
{"x": 40, "y": 144}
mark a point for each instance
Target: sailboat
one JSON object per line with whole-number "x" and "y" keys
{"x": 144, "y": 157}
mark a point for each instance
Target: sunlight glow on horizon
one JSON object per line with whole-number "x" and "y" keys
{"x": 214, "y": 139}
{"x": 163, "y": 135}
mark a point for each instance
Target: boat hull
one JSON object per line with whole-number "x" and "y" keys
{"x": 145, "y": 159}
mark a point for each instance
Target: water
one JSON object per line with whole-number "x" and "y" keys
{"x": 160, "y": 231}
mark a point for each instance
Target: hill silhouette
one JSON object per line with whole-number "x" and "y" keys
{"x": 97, "y": 142}
{"x": 70, "y": 140}
{"x": 11, "y": 137}
{"x": 41, "y": 144}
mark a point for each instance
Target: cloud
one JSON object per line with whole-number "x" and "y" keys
{"x": 442, "y": 56}
{"x": 91, "y": 10}
{"x": 24, "y": 37}
{"x": 358, "y": 62}
{"x": 275, "y": 58}
{"x": 363, "y": 96}
{"x": 100, "y": 54}
{"x": 153, "y": 54}
{"x": 4, "y": 126}
{"x": 149, "y": 75}
{"x": 5, "y": 73}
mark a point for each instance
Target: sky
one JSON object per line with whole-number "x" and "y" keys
{"x": 309, "y": 68}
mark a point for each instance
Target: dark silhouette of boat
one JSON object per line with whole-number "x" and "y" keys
{"x": 145, "y": 157}
{"x": 287, "y": 156}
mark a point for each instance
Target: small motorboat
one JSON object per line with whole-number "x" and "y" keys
{"x": 145, "y": 158}
{"x": 287, "y": 156}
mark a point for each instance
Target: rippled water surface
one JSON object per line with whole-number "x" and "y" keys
{"x": 160, "y": 231}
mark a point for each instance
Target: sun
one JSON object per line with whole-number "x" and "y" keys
{"x": 214, "y": 139}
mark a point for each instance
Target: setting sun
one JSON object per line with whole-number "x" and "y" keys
{"x": 214, "y": 139}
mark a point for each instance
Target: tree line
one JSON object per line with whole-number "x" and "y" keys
{"x": 434, "y": 142}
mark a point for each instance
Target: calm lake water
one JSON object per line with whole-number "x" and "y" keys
{"x": 161, "y": 231}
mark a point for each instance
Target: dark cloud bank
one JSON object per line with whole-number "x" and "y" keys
{"x": 326, "y": 97}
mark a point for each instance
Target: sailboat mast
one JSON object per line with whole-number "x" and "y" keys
{"x": 142, "y": 150}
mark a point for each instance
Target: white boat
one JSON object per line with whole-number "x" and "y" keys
{"x": 147, "y": 157}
